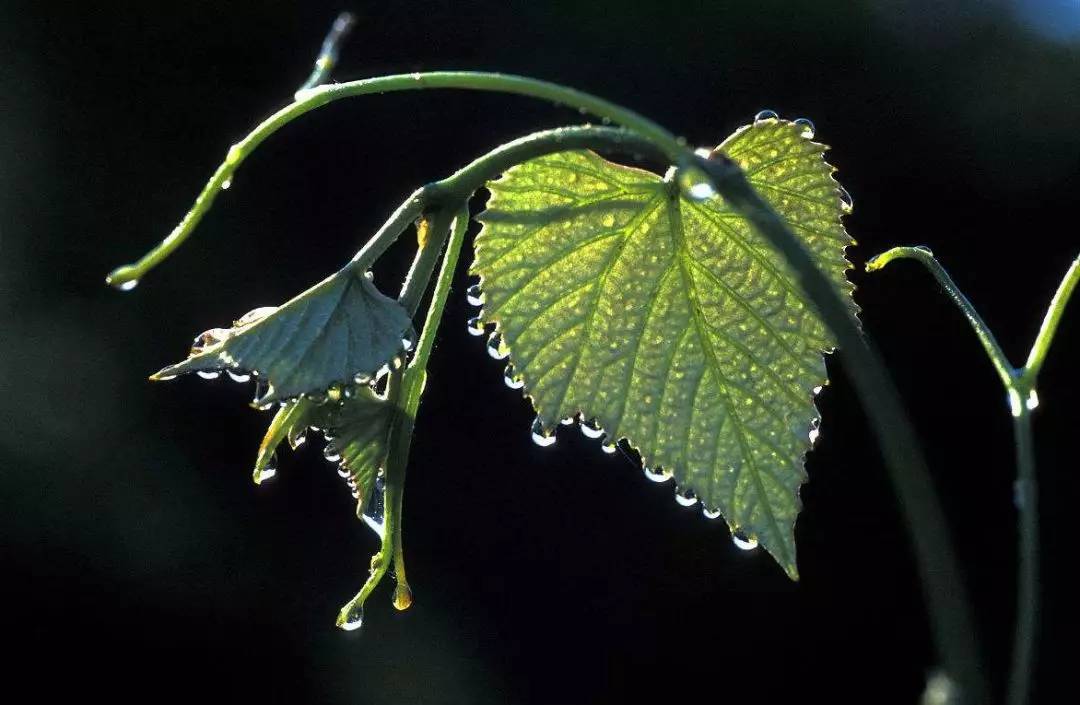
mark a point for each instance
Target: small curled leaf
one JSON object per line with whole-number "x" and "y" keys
{"x": 340, "y": 329}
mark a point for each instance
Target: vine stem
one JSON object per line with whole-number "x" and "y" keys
{"x": 945, "y": 594}
{"x": 943, "y": 587}
{"x": 1020, "y": 387}
{"x": 312, "y": 98}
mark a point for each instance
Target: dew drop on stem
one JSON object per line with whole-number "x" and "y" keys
{"x": 766, "y": 114}
{"x": 475, "y": 326}
{"x": 354, "y": 618}
{"x": 208, "y": 374}
{"x": 694, "y": 183}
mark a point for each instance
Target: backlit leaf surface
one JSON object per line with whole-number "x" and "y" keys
{"x": 669, "y": 321}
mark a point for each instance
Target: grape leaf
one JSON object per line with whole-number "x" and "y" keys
{"x": 669, "y": 321}
{"x": 340, "y": 330}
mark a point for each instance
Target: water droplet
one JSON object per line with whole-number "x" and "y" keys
{"x": 1019, "y": 493}
{"x": 226, "y": 184}
{"x": 406, "y": 344}
{"x": 1032, "y": 401}
{"x": 238, "y": 376}
{"x": 374, "y": 514}
{"x": 268, "y": 471}
{"x": 815, "y": 431}
{"x": 744, "y": 542}
{"x": 658, "y": 475}
{"x": 354, "y": 618}
{"x": 345, "y": 473}
{"x": 542, "y": 436}
{"x": 766, "y": 114}
{"x": 568, "y": 421}
{"x": 512, "y": 381}
{"x": 475, "y": 326}
{"x": 128, "y": 285}
{"x": 331, "y": 454}
{"x": 694, "y": 183}
{"x": 817, "y": 390}
{"x": 687, "y": 498}
{"x": 940, "y": 690}
{"x": 208, "y": 339}
{"x": 369, "y": 275}
{"x": 362, "y": 378}
{"x": 496, "y": 349}
{"x": 808, "y": 129}
{"x": 710, "y": 513}
{"x": 846, "y": 202}
{"x": 1016, "y": 404}
{"x": 474, "y": 295}
{"x": 608, "y": 448}
{"x": 403, "y": 597}
{"x": 208, "y": 374}
{"x": 254, "y": 315}
{"x": 298, "y": 439}
{"x": 591, "y": 429}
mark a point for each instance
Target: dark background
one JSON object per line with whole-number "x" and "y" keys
{"x": 139, "y": 562}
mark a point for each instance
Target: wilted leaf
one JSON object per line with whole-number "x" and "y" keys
{"x": 669, "y": 321}
{"x": 340, "y": 330}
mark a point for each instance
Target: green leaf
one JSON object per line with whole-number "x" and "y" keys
{"x": 356, "y": 424}
{"x": 358, "y": 436}
{"x": 339, "y": 331}
{"x": 291, "y": 423}
{"x": 669, "y": 321}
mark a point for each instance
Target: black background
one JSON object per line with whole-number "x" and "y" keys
{"x": 141, "y": 565}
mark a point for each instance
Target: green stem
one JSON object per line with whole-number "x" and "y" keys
{"x": 460, "y": 185}
{"x": 310, "y": 99}
{"x": 1020, "y": 386}
{"x": 946, "y": 598}
{"x": 431, "y": 233}
{"x": 982, "y": 331}
{"x": 327, "y": 58}
{"x": 442, "y": 289}
{"x": 352, "y": 614}
{"x": 1050, "y": 322}
{"x": 1027, "y": 587}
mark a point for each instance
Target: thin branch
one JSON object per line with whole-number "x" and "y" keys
{"x": 1050, "y": 322}
{"x": 328, "y": 54}
{"x": 923, "y": 254}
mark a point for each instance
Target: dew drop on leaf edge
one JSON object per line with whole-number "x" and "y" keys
{"x": 807, "y": 125}
{"x": 744, "y": 542}
{"x": 766, "y": 114}
{"x": 542, "y": 436}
